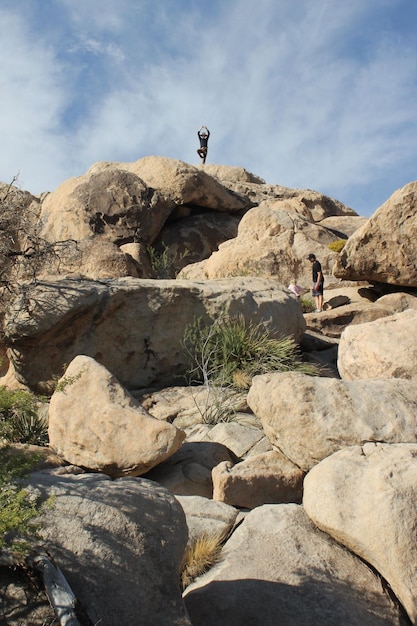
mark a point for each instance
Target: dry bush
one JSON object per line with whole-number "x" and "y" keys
{"x": 200, "y": 555}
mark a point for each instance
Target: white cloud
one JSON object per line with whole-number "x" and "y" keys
{"x": 310, "y": 95}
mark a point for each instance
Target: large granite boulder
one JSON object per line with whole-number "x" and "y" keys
{"x": 95, "y": 423}
{"x": 273, "y": 240}
{"x": 277, "y": 568}
{"x": 365, "y": 498}
{"x": 134, "y": 327}
{"x": 109, "y": 203}
{"x": 384, "y": 348}
{"x": 384, "y": 249}
{"x": 183, "y": 184}
{"x": 119, "y": 544}
{"x": 309, "y": 418}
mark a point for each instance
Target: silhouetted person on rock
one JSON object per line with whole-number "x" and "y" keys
{"x": 203, "y": 137}
{"x": 318, "y": 282}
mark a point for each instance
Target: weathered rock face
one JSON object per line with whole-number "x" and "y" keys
{"x": 260, "y": 479}
{"x": 273, "y": 239}
{"x": 343, "y": 226}
{"x": 112, "y": 204}
{"x": 89, "y": 258}
{"x": 119, "y": 544}
{"x": 230, "y": 173}
{"x": 133, "y": 327}
{"x": 385, "y": 248}
{"x": 309, "y": 418}
{"x": 188, "y": 471}
{"x": 385, "y": 348}
{"x": 194, "y": 238}
{"x": 95, "y": 423}
{"x": 185, "y": 184}
{"x": 277, "y": 568}
{"x": 206, "y": 517}
{"x": 365, "y": 498}
{"x": 332, "y": 322}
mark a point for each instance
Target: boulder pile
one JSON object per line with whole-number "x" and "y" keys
{"x": 307, "y": 482}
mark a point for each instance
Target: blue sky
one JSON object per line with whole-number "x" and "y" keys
{"x": 319, "y": 95}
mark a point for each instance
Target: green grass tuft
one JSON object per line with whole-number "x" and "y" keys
{"x": 20, "y": 421}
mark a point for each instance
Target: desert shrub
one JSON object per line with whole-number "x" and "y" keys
{"x": 20, "y": 421}
{"x": 163, "y": 261}
{"x": 200, "y": 555}
{"x": 231, "y": 352}
{"x": 217, "y": 403}
{"x": 307, "y": 304}
{"x": 338, "y": 245}
{"x": 18, "y": 508}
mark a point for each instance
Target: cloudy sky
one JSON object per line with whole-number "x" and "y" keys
{"x": 312, "y": 94}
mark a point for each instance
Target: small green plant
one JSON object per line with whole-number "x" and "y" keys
{"x": 163, "y": 262}
{"x": 200, "y": 555}
{"x": 338, "y": 245}
{"x": 307, "y": 305}
{"x": 64, "y": 381}
{"x": 18, "y": 509}
{"x": 20, "y": 420}
{"x": 232, "y": 350}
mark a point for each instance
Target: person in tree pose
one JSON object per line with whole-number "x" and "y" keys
{"x": 318, "y": 282}
{"x": 203, "y": 135}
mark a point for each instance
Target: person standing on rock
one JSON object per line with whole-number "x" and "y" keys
{"x": 203, "y": 137}
{"x": 318, "y": 282}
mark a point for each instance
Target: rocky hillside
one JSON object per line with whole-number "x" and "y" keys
{"x": 308, "y": 482}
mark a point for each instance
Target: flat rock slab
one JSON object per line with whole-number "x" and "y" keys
{"x": 278, "y": 569}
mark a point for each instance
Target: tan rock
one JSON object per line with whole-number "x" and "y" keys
{"x": 398, "y": 301}
{"x": 277, "y": 568}
{"x": 205, "y": 516}
{"x": 268, "y": 478}
{"x": 331, "y": 322}
{"x": 185, "y": 184}
{"x": 384, "y": 249}
{"x": 273, "y": 240}
{"x": 365, "y": 498}
{"x": 111, "y": 203}
{"x": 308, "y": 418}
{"x": 231, "y": 173}
{"x": 138, "y": 255}
{"x": 238, "y": 438}
{"x": 188, "y": 471}
{"x": 385, "y": 348}
{"x": 95, "y": 423}
{"x": 343, "y": 226}
{"x": 134, "y": 327}
{"x": 90, "y": 258}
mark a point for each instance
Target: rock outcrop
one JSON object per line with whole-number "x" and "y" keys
{"x": 385, "y": 249}
{"x": 273, "y": 239}
{"x": 277, "y": 568}
{"x": 385, "y": 348}
{"x": 134, "y": 327}
{"x": 239, "y": 463}
{"x": 95, "y": 423}
{"x": 365, "y": 497}
{"x": 119, "y": 544}
{"x": 308, "y": 418}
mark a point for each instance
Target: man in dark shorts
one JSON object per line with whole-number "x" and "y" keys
{"x": 318, "y": 282}
{"x": 203, "y": 137}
